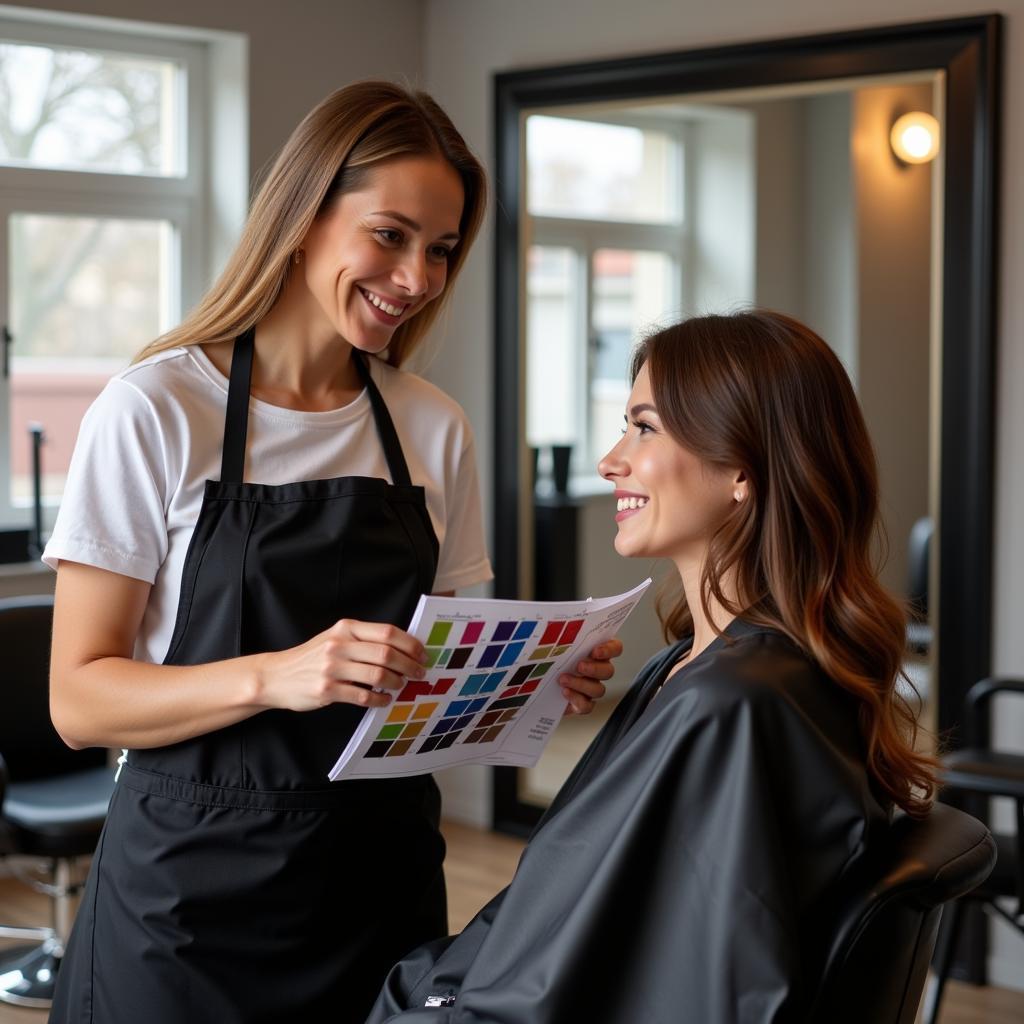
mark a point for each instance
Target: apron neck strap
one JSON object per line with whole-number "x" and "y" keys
{"x": 397, "y": 465}
{"x": 236, "y": 418}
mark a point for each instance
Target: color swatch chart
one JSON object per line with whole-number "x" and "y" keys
{"x": 484, "y": 696}
{"x": 492, "y": 699}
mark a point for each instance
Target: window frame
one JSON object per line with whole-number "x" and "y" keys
{"x": 181, "y": 198}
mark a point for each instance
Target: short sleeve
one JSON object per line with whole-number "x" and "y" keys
{"x": 463, "y": 558}
{"x": 113, "y": 512}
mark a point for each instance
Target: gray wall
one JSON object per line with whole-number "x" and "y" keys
{"x": 894, "y": 211}
{"x": 829, "y": 227}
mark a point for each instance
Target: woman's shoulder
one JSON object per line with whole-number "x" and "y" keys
{"x": 764, "y": 677}
{"x": 169, "y": 384}
{"x": 171, "y": 366}
{"x": 155, "y": 377}
{"x": 757, "y": 667}
{"x": 154, "y": 405}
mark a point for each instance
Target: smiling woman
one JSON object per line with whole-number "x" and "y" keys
{"x": 669, "y": 502}
{"x": 234, "y": 572}
{"x": 381, "y": 254}
{"x": 747, "y": 433}
{"x": 756, "y": 760}
{"x": 374, "y": 259}
{"x": 252, "y": 513}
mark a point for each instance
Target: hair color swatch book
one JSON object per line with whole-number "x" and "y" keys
{"x": 490, "y": 692}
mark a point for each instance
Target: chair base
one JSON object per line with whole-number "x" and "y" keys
{"x": 28, "y": 974}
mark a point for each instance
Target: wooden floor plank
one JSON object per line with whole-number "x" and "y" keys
{"x": 478, "y": 865}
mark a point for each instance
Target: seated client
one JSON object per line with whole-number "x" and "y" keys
{"x": 683, "y": 871}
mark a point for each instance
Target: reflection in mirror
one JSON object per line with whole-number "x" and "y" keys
{"x": 635, "y": 215}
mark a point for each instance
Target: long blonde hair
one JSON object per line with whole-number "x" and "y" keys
{"x": 331, "y": 152}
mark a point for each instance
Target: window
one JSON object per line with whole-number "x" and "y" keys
{"x": 607, "y": 226}
{"x": 102, "y": 187}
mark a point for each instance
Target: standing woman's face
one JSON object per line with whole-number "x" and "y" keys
{"x": 380, "y": 254}
{"x": 670, "y": 502}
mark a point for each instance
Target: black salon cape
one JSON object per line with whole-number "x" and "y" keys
{"x": 680, "y": 872}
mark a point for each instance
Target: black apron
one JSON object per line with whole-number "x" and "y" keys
{"x": 233, "y": 883}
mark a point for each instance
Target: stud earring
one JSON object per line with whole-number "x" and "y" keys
{"x": 738, "y": 495}
{"x": 297, "y": 257}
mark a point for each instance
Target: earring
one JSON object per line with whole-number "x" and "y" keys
{"x": 297, "y": 257}
{"x": 738, "y": 495}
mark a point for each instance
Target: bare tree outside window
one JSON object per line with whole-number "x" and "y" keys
{"x": 85, "y": 111}
{"x": 85, "y": 292}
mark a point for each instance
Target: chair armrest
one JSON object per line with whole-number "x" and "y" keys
{"x": 976, "y": 703}
{"x": 980, "y": 770}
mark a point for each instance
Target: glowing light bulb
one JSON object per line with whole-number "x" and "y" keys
{"x": 915, "y": 138}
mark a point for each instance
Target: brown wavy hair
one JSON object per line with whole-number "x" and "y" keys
{"x": 331, "y": 152}
{"x": 760, "y": 392}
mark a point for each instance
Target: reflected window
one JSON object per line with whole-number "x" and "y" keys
{"x": 607, "y": 219}
{"x": 606, "y": 171}
{"x": 554, "y": 366}
{"x": 632, "y": 290}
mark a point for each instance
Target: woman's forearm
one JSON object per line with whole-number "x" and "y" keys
{"x": 101, "y": 696}
{"x": 119, "y": 702}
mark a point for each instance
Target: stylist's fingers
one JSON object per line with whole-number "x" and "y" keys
{"x": 380, "y": 633}
{"x": 374, "y": 653}
{"x": 363, "y": 663}
{"x": 345, "y": 663}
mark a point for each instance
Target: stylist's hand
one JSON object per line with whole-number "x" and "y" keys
{"x": 587, "y": 686}
{"x": 344, "y": 664}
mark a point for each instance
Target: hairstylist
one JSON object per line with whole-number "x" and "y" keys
{"x": 252, "y": 511}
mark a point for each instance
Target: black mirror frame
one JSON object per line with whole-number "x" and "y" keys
{"x": 968, "y": 51}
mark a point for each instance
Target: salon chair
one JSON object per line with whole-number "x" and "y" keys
{"x": 885, "y": 917}
{"x": 53, "y": 801}
{"x": 980, "y": 771}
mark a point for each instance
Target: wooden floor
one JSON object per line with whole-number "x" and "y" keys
{"x": 478, "y": 865}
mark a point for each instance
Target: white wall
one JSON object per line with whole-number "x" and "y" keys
{"x": 467, "y": 41}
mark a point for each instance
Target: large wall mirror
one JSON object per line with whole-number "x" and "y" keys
{"x": 632, "y": 192}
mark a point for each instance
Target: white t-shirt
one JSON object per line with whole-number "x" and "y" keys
{"x": 153, "y": 437}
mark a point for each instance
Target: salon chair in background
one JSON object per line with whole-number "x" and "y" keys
{"x": 53, "y": 801}
{"x": 979, "y": 770}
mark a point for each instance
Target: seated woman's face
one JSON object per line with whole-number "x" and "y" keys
{"x": 670, "y": 502}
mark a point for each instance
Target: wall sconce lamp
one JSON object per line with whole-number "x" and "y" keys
{"x": 915, "y": 138}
